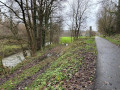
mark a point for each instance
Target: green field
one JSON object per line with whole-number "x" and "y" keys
{"x": 65, "y": 40}
{"x": 68, "y": 39}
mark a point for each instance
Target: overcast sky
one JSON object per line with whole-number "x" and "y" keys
{"x": 92, "y": 15}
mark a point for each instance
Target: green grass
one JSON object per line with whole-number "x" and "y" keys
{"x": 59, "y": 71}
{"x": 69, "y": 40}
{"x": 65, "y": 40}
{"x": 9, "y": 46}
{"x": 30, "y": 59}
{"x": 114, "y": 39}
{"x": 28, "y": 72}
{"x": 11, "y": 49}
{"x": 89, "y": 41}
{"x": 64, "y": 67}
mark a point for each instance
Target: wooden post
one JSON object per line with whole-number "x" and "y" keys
{"x": 90, "y": 33}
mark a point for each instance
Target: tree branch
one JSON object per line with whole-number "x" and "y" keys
{"x": 11, "y": 10}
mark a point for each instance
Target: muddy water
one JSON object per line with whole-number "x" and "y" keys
{"x": 13, "y": 60}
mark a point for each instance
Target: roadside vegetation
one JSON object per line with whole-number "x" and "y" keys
{"x": 58, "y": 68}
{"x": 55, "y": 62}
{"x": 109, "y": 20}
{"x": 114, "y": 39}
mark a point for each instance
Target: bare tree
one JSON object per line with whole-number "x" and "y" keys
{"x": 107, "y": 18}
{"x": 13, "y": 26}
{"x": 35, "y": 14}
{"x": 79, "y": 15}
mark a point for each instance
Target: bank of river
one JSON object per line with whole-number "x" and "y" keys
{"x": 13, "y": 60}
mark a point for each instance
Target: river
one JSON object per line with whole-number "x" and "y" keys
{"x": 13, "y": 60}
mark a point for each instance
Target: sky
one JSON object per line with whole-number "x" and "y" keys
{"x": 91, "y": 21}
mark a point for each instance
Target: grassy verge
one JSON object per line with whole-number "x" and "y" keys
{"x": 27, "y": 60}
{"x": 114, "y": 39}
{"x": 64, "y": 67}
{"x": 29, "y": 72}
{"x": 61, "y": 69}
{"x": 30, "y": 59}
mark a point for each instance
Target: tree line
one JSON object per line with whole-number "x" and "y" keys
{"x": 41, "y": 19}
{"x": 109, "y": 17}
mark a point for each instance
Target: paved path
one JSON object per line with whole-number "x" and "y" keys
{"x": 108, "y": 66}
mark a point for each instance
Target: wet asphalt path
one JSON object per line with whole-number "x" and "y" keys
{"x": 108, "y": 66}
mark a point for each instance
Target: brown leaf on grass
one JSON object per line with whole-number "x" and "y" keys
{"x": 84, "y": 78}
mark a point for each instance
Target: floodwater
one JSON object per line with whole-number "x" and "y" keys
{"x": 13, "y": 60}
